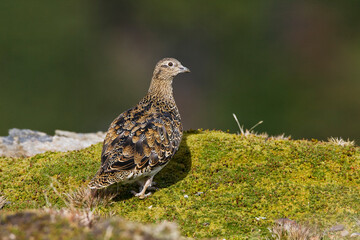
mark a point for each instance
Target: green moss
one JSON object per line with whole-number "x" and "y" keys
{"x": 52, "y": 224}
{"x": 241, "y": 179}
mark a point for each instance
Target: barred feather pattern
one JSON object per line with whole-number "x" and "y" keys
{"x": 143, "y": 139}
{"x": 139, "y": 140}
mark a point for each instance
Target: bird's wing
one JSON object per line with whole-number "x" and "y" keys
{"x": 149, "y": 141}
{"x": 116, "y": 128}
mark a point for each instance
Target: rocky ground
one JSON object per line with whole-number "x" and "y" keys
{"x": 26, "y": 143}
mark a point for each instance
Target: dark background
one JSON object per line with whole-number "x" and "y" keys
{"x": 76, "y": 65}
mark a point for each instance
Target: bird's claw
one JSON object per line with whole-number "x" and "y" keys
{"x": 145, "y": 195}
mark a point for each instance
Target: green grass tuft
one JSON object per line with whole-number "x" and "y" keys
{"x": 230, "y": 181}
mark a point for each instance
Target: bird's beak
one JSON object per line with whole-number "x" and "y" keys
{"x": 183, "y": 69}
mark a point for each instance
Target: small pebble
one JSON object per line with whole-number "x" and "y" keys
{"x": 286, "y": 223}
{"x": 344, "y": 233}
{"x": 337, "y": 228}
{"x": 283, "y": 221}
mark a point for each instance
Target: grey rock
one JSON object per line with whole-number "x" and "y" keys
{"x": 23, "y": 135}
{"x": 355, "y": 235}
{"x": 337, "y": 228}
{"x": 26, "y": 143}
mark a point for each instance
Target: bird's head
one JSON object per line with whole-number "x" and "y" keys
{"x": 168, "y": 68}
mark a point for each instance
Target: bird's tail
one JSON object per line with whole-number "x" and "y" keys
{"x": 101, "y": 180}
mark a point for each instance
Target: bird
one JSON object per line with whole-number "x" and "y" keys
{"x": 142, "y": 140}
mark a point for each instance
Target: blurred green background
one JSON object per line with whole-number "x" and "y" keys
{"x": 76, "y": 65}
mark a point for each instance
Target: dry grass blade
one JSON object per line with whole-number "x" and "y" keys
{"x": 246, "y": 132}
{"x": 286, "y": 229}
{"x": 341, "y": 142}
{"x": 88, "y": 198}
{"x": 240, "y": 127}
{"x": 81, "y": 203}
{"x": 2, "y": 202}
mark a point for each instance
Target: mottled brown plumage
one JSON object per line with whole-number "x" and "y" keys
{"x": 143, "y": 139}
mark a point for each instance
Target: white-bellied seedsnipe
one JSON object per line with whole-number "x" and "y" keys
{"x": 143, "y": 139}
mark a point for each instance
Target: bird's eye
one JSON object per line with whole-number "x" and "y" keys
{"x": 170, "y": 64}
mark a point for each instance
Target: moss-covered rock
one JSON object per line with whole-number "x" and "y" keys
{"x": 217, "y": 185}
{"x": 69, "y": 224}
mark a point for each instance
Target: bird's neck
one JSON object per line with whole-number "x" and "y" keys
{"x": 161, "y": 88}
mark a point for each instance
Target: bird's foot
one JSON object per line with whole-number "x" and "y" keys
{"x": 141, "y": 195}
{"x": 143, "y": 186}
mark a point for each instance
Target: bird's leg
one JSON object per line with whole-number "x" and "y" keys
{"x": 142, "y": 194}
{"x": 141, "y": 184}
